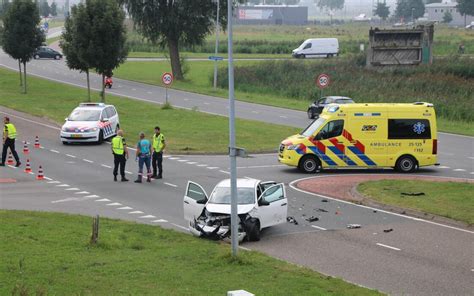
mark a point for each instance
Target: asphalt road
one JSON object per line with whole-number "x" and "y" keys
{"x": 419, "y": 257}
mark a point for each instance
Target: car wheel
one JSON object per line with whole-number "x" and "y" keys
{"x": 101, "y": 137}
{"x": 406, "y": 164}
{"x": 252, "y": 228}
{"x": 57, "y": 57}
{"x": 109, "y": 86}
{"x": 309, "y": 164}
{"x": 65, "y": 143}
{"x": 36, "y": 56}
{"x": 310, "y": 114}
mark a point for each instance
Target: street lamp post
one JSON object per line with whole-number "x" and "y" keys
{"x": 217, "y": 45}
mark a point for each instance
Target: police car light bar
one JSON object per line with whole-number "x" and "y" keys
{"x": 92, "y": 104}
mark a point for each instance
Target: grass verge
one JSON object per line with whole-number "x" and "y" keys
{"x": 186, "y": 131}
{"x": 200, "y": 55}
{"x": 49, "y": 254}
{"x": 448, "y": 199}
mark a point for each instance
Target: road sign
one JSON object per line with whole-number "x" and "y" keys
{"x": 167, "y": 78}
{"x": 216, "y": 58}
{"x": 322, "y": 81}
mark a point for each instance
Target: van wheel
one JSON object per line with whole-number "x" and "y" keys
{"x": 406, "y": 164}
{"x": 252, "y": 228}
{"x": 309, "y": 164}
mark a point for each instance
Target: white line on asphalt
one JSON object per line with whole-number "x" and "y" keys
{"x": 64, "y": 200}
{"x": 106, "y": 166}
{"x": 31, "y": 173}
{"x": 166, "y": 156}
{"x": 92, "y": 196}
{"x": 125, "y": 208}
{"x": 206, "y": 103}
{"x": 87, "y": 160}
{"x": 245, "y": 249}
{"x": 114, "y": 204}
{"x": 174, "y": 158}
{"x": 225, "y": 172}
{"x": 47, "y": 178}
{"x": 103, "y": 199}
{"x": 389, "y": 247}
{"x": 443, "y": 167}
{"x": 54, "y": 182}
{"x": 81, "y": 192}
{"x": 169, "y": 184}
{"x": 147, "y": 217}
{"x": 202, "y": 165}
{"x": 41, "y": 147}
{"x": 13, "y": 167}
{"x": 136, "y": 212}
{"x": 186, "y": 99}
{"x": 317, "y": 227}
{"x": 69, "y": 155}
{"x": 182, "y": 160}
{"x": 212, "y": 168}
{"x": 292, "y": 185}
{"x": 472, "y": 173}
{"x": 282, "y": 116}
{"x": 127, "y": 172}
{"x": 149, "y": 92}
{"x": 459, "y": 170}
{"x": 72, "y": 189}
{"x": 32, "y": 121}
{"x": 179, "y": 226}
{"x": 471, "y": 157}
{"x": 191, "y": 162}
{"x": 62, "y": 185}
{"x": 160, "y": 221}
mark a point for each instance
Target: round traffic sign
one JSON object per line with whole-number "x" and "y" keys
{"x": 167, "y": 78}
{"x": 323, "y": 80}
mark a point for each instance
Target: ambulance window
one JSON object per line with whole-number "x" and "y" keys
{"x": 314, "y": 126}
{"x": 409, "y": 129}
{"x": 331, "y": 129}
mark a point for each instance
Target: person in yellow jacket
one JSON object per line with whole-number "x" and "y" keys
{"x": 120, "y": 152}
{"x": 9, "y": 136}
{"x": 157, "y": 157}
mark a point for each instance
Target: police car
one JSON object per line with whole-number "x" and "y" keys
{"x": 90, "y": 122}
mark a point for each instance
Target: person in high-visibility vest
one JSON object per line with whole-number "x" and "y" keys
{"x": 9, "y": 136}
{"x": 157, "y": 158}
{"x": 120, "y": 151}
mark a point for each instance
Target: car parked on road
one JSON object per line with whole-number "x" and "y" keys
{"x": 44, "y": 52}
{"x": 260, "y": 205}
{"x": 317, "y": 106}
{"x": 90, "y": 122}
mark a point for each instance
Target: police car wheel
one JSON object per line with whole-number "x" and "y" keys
{"x": 310, "y": 114}
{"x": 309, "y": 164}
{"x": 406, "y": 164}
{"x": 101, "y": 137}
{"x": 65, "y": 143}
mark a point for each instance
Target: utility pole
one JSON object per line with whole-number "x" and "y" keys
{"x": 217, "y": 45}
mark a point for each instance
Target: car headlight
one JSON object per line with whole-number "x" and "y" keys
{"x": 293, "y": 147}
{"x": 92, "y": 129}
{"x": 64, "y": 129}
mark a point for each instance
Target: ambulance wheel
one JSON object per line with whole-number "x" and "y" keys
{"x": 309, "y": 164}
{"x": 252, "y": 228}
{"x": 406, "y": 164}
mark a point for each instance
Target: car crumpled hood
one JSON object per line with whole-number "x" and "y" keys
{"x": 225, "y": 208}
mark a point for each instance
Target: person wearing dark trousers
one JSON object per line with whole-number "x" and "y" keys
{"x": 9, "y": 136}
{"x": 157, "y": 157}
{"x": 120, "y": 151}
{"x": 143, "y": 156}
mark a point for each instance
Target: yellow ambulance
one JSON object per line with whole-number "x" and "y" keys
{"x": 400, "y": 136}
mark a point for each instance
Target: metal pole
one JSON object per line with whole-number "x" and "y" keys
{"x": 232, "y": 151}
{"x": 217, "y": 45}
{"x": 166, "y": 95}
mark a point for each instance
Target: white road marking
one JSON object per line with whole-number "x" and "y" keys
{"x": 191, "y": 162}
{"x": 136, "y": 212}
{"x": 54, "y": 182}
{"x": 103, "y": 199}
{"x": 62, "y": 185}
{"x": 106, "y": 166}
{"x": 186, "y": 99}
{"x": 202, "y": 165}
{"x": 245, "y": 249}
{"x": 169, "y": 184}
{"x": 225, "y": 172}
{"x": 262, "y": 166}
{"x": 69, "y": 155}
{"x": 81, "y": 192}
{"x": 127, "y": 172}
{"x": 149, "y": 92}
{"x": 182, "y": 160}
{"x": 160, "y": 221}
{"x": 389, "y": 247}
{"x": 212, "y": 168}
{"x": 472, "y": 173}
{"x": 64, "y": 200}
{"x": 281, "y": 116}
{"x": 41, "y": 147}
{"x": 147, "y": 217}
{"x": 13, "y": 167}
{"x": 72, "y": 189}
{"x": 318, "y": 227}
{"x": 87, "y": 160}
{"x": 54, "y": 151}
{"x": 443, "y": 167}
{"x": 31, "y": 173}
{"x": 47, "y": 178}
{"x": 166, "y": 156}
{"x": 125, "y": 208}
{"x": 114, "y": 204}
{"x": 92, "y": 196}
{"x": 471, "y": 157}
{"x": 179, "y": 226}
{"x": 459, "y": 170}
{"x": 256, "y": 112}
{"x": 174, "y": 158}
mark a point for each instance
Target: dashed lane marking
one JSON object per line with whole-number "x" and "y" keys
{"x": 443, "y": 167}
{"x": 318, "y": 227}
{"x": 147, "y": 217}
{"x": 471, "y": 157}
{"x": 225, "y": 172}
{"x": 388, "y": 247}
{"x": 81, "y": 192}
{"x": 114, "y": 204}
{"x": 174, "y": 158}
{"x": 54, "y": 182}
{"x": 54, "y": 151}
{"x": 459, "y": 170}
{"x": 191, "y": 162}
{"x": 106, "y": 166}
{"x": 64, "y": 200}
{"x": 125, "y": 208}
{"x": 136, "y": 212}
{"x": 47, "y": 178}
{"x": 103, "y": 199}
{"x": 160, "y": 221}
{"x": 282, "y": 116}
{"x": 182, "y": 160}
{"x": 127, "y": 172}
{"x": 166, "y": 156}
{"x": 87, "y": 160}
{"x": 202, "y": 165}
{"x": 169, "y": 184}
{"x": 72, "y": 189}
{"x": 62, "y": 185}
{"x": 13, "y": 167}
{"x": 69, "y": 155}
{"x": 92, "y": 196}
{"x": 149, "y": 92}
{"x": 212, "y": 168}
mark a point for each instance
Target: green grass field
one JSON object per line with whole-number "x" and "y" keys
{"x": 186, "y": 131}
{"x": 50, "y": 254}
{"x": 448, "y": 199}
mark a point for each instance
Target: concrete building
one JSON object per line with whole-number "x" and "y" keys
{"x": 272, "y": 15}
{"x": 436, "y": 11}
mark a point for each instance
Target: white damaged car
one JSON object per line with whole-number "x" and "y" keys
{"x": 260, "y": 205}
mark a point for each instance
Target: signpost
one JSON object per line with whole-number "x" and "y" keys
{"x": 167, "y": 79}
{"x": 322, "y": 81}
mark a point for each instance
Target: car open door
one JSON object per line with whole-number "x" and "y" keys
{"x": 273, "y": 206}
{"x": 194, "y": 201}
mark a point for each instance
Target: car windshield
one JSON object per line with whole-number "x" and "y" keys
{"x": 313, "y": 127}
{"x": 221, "y": 195}
{"x": 84, "y": 115}
{"x": 344, "y": 101}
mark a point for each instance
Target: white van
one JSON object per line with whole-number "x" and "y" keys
{"x": 319, "y": 47}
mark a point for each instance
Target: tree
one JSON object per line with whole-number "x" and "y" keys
{"x": 382, "y": 10}
{"x": 175, "y": 23}
{"x": 330, "y": 4}
{"x": 410, "y": 9}
{"x": 54, "y": 9}
{"x": 465, "y": 7}
{"x": 447, "y": 17}
{"x": 21, "y": 34}
{"x": 44, "y": 8}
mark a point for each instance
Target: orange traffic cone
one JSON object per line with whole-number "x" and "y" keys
{"x": 40, "y": 175}
{"x": 10, "y": 159}
{"x": 28, "y": 166}
{"x": 26, "y": 150}
{"x": 37, "y": 142}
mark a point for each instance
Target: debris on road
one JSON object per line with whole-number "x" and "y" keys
{"x": 321, "y": 210}
{"x": 312, "y": 219}
{"x": 353, "y": 226}
{"x": 291, "y": 220}
{"x": 324, "y": 200}
{"x": 413, "y": 193}
{"x": 388, "y": 230}
{"x": 374, "y": 211}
